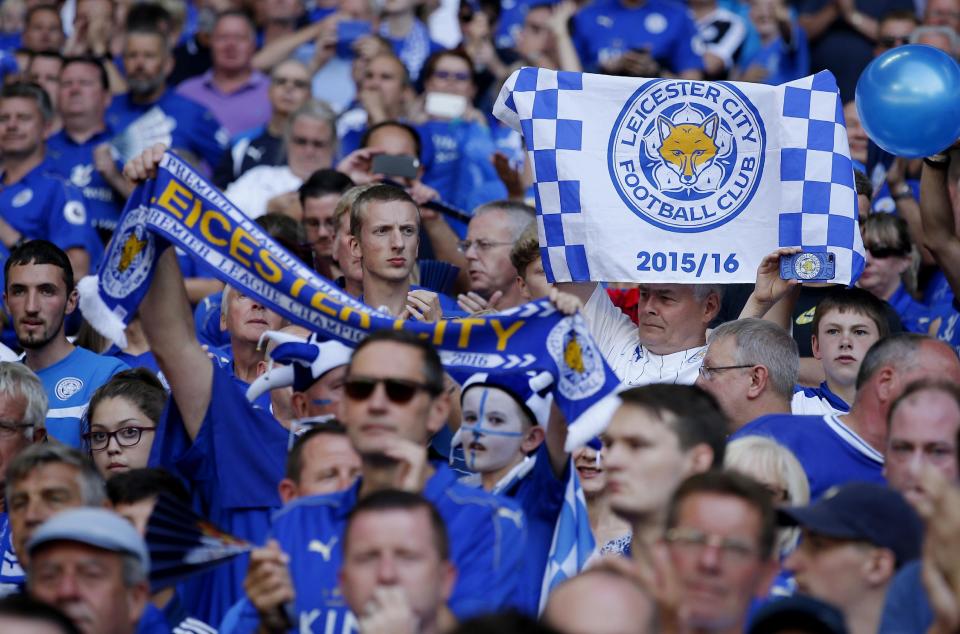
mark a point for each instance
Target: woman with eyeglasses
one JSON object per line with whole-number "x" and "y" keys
{"x": 121, "y": 421}
{"x": 891, "y": 270}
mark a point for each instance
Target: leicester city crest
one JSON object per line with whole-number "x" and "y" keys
{"x": 687, "y": 156}
{"x": 130, "y": 255}
{"x": 579, "y": 364}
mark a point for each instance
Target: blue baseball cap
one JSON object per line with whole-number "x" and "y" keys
{"x": 95, "y": 527}
{"x": 865, "y": 512}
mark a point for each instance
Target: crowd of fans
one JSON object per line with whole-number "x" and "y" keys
{"x": 784, "y": 458}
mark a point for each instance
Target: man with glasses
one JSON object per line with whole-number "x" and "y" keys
{"x": 719, "y": 541}
{"x": 658, "y": 436}
{"x": 839, "y": 448}
{"x": 491, "y": 276}
{"x": 310, "y": 146}
{"x": 23, "y": 410}
{"x": 854, "y": 540}
{"x": 394, "y": 401}
{"x": 263, "y": 145}
{"x": 751, "y": 368}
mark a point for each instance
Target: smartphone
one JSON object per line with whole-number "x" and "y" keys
{"x": 348, "y": 32}
{"x": 445, "y": 105}
{"x": 808, "y": 266}
{"x": 396, "y": 165}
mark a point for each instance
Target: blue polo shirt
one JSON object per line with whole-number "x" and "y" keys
{"x": 44, "y": 205}
{"x": 232, "y": 468}
{"x": 194, "y": 127}
{"x": 487, "y": 542}
{"x": 830, "y": 452}
{"x": 607, "y": 29}
{"x": 69, "y": 384}
{"x": 74, "y": 161}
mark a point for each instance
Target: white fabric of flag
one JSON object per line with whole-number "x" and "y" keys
{"x": 672, "y": 180}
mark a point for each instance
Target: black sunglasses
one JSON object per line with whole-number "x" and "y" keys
{"x": 399, "y": 391}
{"x": 879, "y": 252}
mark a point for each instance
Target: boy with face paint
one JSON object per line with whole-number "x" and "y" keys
{"x": 512, "y": 451}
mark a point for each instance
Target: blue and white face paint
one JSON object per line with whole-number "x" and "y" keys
{"x": 492, "y": 429}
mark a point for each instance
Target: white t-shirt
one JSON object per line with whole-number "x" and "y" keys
{"x": 256, "y": 187}
{"x": 619, "y": 341}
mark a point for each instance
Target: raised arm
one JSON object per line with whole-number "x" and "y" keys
{"x": 939, "y": 226}
{"x": 168, "y": 323}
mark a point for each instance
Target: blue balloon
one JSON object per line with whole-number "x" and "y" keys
{"x": 909, "y": 100}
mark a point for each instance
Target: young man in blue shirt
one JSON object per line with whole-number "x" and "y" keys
{"x": 40, "y": 294}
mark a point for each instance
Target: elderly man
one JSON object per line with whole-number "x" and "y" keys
{"x": 669, "y": 340}
{"x": 751, "y": 368}
{"x": 93, "y": 565}
{"x": 836, "y": 449}
{"x": 311, "y": 145}
{"x": 23, "y": 410}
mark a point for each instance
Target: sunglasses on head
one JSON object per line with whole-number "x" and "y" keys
{"x": 880, "y": 252}
{"x": 399, "y": 391}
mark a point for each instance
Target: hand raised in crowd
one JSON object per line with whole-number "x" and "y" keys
{"x": 474, "y": 303}
{"x": 357, "y": 165}
{"x": 770, "y": 287}
{"x": 144, "y": 166}
{"x": 940, "y": 511}
{"x": 566, "y": 303}
{"x": 511, "y": 178}
{"x": 414, "y": 468}
{"x": 269, "y": 587}
{"x": 650, "y": 567}
{"x": 388, "y": 612}
{"x": 422, "y": 305}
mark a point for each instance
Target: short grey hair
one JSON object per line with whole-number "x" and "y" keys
{"x": 703, "y": 291}
{"x": 93, "y": 490}
{"x": 321, "y": 111}
{"x": 519, "y": 215}
{"x": 898, "y": 350}
{"x": 760, "y": 342}
{"x": 133, "y": 571}
{"x": 945, "y": 31}
{"x": 16, "y": 379}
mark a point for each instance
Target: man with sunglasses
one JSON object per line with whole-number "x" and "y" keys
{"x": 394, "y": 402}
{"x": 894, "y": 30}
{"x": 837, "y": 449}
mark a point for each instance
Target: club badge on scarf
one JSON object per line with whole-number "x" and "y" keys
{"x": 180, "y": 207}
{"x": 672, "y": 180}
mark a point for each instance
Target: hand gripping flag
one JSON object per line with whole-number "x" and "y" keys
{"x": 180, "y": 207}
{"x": 671, "y": 180}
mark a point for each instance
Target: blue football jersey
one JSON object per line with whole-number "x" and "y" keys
{"x": 69, "y": 384}
{"x": 487, "y": 542}
{"x": 194, "y": 128}
{"x": 914, "y": 315}
{"x": 831, "y": 453}
{"x": 817, "y": 401}
{"x": 74, "y": 161}
{"x": 43, "y": 205}
{"x": 12, "y": 576}
{"x": 232, "y": 468}
{"x": 606, "y": 29}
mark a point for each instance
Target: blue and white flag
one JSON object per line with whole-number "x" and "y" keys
{"x": 573, "y": 541}
{"x": 671, "y": 180}
{"x": 180, "y": 207}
